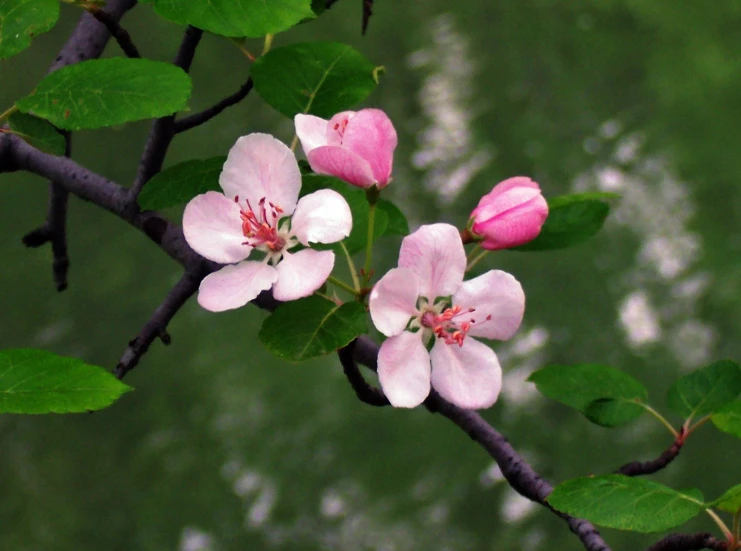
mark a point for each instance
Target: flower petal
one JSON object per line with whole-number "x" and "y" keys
{"x": 311, "y": 130}
{"x": 393, "y": 301}
{"x": 260, "y": 166}
{"x": 371, "y": 135}
{"x": 302, "y": 273}
{"x": 505, "y": 201}
{"x": 213, "y": 228}
{"x": 435, "y": 253}
{"x": 235, "y": 285}
{"x": 321, "y": 217}
{"x": 404, "y": 370}
{"x": 495, "y": 295}
{"x": 336, "y": 127}
{"x": 515, "y": 226}
{"x": 342, "y": 163}
{"x": 468, "y": 376}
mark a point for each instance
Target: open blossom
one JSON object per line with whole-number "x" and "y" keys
{"x": 426, "y": 298}
{"x": 357, "y": 147}
{"x": 261, "y": 183}
{"x": 510, "y": 214}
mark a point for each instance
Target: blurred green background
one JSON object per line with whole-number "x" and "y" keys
{"x": 224, "y": 447}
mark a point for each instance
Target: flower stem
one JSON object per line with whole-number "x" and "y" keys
{"x": 660, "y": 417}
{"x": 7, "y": 113}
{"x": 341, "y": 284}
{"x": 473, "y": 252}
{"x": 294, "y": 142}
{"x": 351, "y": 266}
{"x": 476, "y": 260}
{"x": 722, "y": 525}
{"x": 369, "y": 248}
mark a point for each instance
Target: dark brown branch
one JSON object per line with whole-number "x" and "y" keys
{"x": 119, "y": 34}
{"x": 157, "y": 324}
{"x": 186, "y": 123}
{"x": 689, "y": 542}
{"x": 367, "y": 13}
{"x": 163, "y": 130}
{"x": 365, "y": 392}
{"x": 638, "y": 468}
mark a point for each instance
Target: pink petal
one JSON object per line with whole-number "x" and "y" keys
{"x": 496, "y": 294}
{"x": 393, "y": 301}
{"x": 336, "y": 127}
{"x": 311, "y": 130}
{"x": 235, "y": 285}
{"x": 404, "y": 370}
{"x": 513, "y": 198}
{"x": 510, "y": 183}
{"x": 302, "y": 273}
{"x": 321, "y": 217}
{"x": 468, "y": 376}
{"x": 342, "y": 163}
{"x": 371, "y": 135}
{"x": 515, "y": 227}
{"x": 435, "y": 253}
{"x": 260, "y": 166}
{"x": 213, "y": 228}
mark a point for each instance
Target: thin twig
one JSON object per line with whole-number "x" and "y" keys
{"x": 367, "y": 13}
{"x": 206, "y": 115}
{"x": 638, "y": 468}
{"x": 689, "y": 542}
{"x": 163, "y": 131}
{"x": 365, "y": 392}
{"x": 119, "y": 34}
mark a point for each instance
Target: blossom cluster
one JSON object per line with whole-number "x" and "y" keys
{"x": 428, "y": 313}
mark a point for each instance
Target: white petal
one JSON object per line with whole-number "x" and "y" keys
{"x": 435, "y": 253}
{"x": 311, "y": 130}
{"x": 393, "y": 301}
{"x": 321, "y": 217}
{"x": 213, "y": 228}
{"x": 468, "y": 376}
{"x": 404, "y": 370}
{"x": 496, "y": 294}
{"x": 260, "y": 166}
{"x": 302, "y": 273}
{"x": 234, "y": 286}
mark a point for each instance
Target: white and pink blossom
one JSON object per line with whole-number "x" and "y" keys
{"x": 357, "y": 147}
{"x": 261, "y": 183}
{"x": 426, "y": 298}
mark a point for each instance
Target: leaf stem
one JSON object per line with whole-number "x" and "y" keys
{"x": 476, "y": 260}
{"x": 698, "y": 424}
{"x": 722, "y": 525}
{"x": 268, "y": 43}
{"x": 294, "y": 142}
{"x": 660, "y": 417}
{"x": 351, "y": 266}
{"x": 369, "y": 247}
{"x": 7, "y": 113}
{"x": 342, "y": 285}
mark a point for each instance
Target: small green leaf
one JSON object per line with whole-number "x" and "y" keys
{"x": 319, "y": 78}
{"x": 37, "y": 132}
{"x": 107, "y": 92}
{"x": 35, "y": 381}
{"x": 236, "y": 18}
{"x": 728, "y": 418}
{"x": 179, "y": 183}
{"x": 706, "y": 390}
{"x": 397, "y": 222}
{"x": 22, "y": 20}
{"x": 311, "y": 327}
{"x": 607, "y": 396}
{"x": 571, "y": 220}
{"x": 730, "y": 501}
{"x": 626, "y": 503}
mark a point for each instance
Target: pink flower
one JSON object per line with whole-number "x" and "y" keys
{"x": 426, "y": 298}
{"x": 510, "y": 214}
{"x": 261, "y": 183}
{"x": 355, "y": 147}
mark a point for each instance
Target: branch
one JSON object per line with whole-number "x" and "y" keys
{"x": 689, "y": 542}
{"x": 118, "y": 33}
{"x": 206, "y": 115}
{"x": 365, "y": 392}
{"x": 637, "y": 468}
{"x": 163, "y": 131}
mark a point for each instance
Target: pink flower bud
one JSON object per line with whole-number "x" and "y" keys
{"x": 510, "y": 214}
{"x": 357, "y": 147}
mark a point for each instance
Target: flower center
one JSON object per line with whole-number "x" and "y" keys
{"x": 451, "y": 324}
{"x": 260, "y": 226}
{"x": 339, "y": 128}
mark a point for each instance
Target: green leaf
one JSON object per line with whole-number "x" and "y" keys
{"x": 21, "y": 20}
{"x": 37, "y": 132}
{"x": 355, "y": 198}
{"x": 604, "y": 394}
{"x": 706, "y": 390}
{"x": 106, "y": 92}
{"x": 728, "y": 418}
{"x": 571, "y": 220}
{"x": 730, "y": 501}
{"x": 237, "y": 18}
{"x": 179, "y": 183}
{"x": 35, "y": 381}
{"x": 311, "y": 327}
{"x": 626, "y": 503}
{"x": 397, "y": 222}
{"x": 319, "y": 78}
